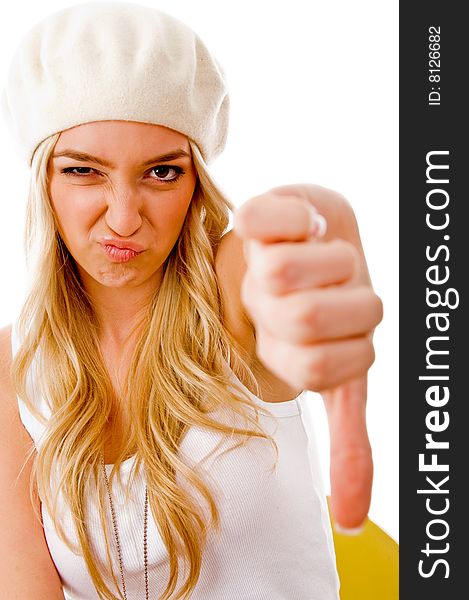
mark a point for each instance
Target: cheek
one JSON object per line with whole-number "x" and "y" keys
{"x": 74, "y": 211}
{"x": 167, "y": 221}
{"x": 168, "y": 216}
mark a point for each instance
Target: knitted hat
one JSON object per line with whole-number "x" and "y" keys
{"x": 115, "y": 61}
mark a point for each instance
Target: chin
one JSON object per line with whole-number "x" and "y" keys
{"x": 118, "y": 277}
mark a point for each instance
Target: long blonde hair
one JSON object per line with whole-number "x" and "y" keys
{"x": 177, "y": 376}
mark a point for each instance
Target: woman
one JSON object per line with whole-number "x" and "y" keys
{"x": 152, "y": 391}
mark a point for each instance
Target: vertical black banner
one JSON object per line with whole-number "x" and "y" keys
{"x": 434, "y": 258}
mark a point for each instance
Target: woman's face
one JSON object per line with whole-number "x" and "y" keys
{"x": 120, "y": 191}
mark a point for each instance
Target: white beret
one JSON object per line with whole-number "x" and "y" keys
{"x": 115, "y": 61}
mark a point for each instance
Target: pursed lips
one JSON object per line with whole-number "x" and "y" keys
{"x": 120, "y": 250}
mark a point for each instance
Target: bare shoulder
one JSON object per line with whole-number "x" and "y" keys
{"x": 9, "y": 407}
{"x": 230, "y": 267}
{"x": 10, "y": 423}
{"x": 6, "y": 387}
{"x": 14, "y": 439}
{"x": 5, "y": 340}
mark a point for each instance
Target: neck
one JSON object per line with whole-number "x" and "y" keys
{"x": 120, "y": 311}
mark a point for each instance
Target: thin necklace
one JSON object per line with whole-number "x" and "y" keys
{"x": 116, "y": 534}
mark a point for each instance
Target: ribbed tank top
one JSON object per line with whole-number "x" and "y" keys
{"x": 275, "y": 541}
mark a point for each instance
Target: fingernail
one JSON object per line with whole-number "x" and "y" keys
{"x": 318, "y": 225}
{"x": 349, "y": 530}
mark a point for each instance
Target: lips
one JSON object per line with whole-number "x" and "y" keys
{"x": 120, "y": 250}
{"x": 122, "y": 244}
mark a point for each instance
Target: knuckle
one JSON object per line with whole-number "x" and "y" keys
{"x": 306, "y": 319}
{"x": 367, "y": 354}
{"x": 243, "y": 215}
{"x": 315, "y": 369}
{"x": 373, "y": 303}
{"x": 249, "y": 207}
{"x": 248, "y": 216}
{"x": 379, "y": 308}
{"x": 275, "y": 267}
{"x": 371, "y": 354}
{"x": 348, "y": 255}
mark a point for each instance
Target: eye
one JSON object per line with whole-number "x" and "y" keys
{"x": 164, "y": 173}
{"x": 167, "y": 173}
{"x": 68, "y": 170}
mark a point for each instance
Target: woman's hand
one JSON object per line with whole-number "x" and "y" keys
{"x": 310, "y": 298}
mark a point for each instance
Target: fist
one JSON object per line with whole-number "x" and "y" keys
{"x": 308, "y": 293}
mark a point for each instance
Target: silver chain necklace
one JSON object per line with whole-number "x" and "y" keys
{"x": 116, "y": 534}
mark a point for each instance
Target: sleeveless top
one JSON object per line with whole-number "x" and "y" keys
{"x": 275, "y": 541}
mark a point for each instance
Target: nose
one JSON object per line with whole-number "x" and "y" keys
{"x": 123, "y": 213}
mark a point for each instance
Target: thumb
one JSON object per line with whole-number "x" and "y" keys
{"x": 351, "y": 463}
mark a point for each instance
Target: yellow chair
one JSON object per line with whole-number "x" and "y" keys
{"x": 367, "y": 563}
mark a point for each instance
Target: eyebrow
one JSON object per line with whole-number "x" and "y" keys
{"x": 85, "y": 157}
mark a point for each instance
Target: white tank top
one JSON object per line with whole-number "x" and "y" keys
{"x": 275, "y": 541}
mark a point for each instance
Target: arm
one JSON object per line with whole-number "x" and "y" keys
{"x": 27, "y": 571}
{"x": 314, "y": 311}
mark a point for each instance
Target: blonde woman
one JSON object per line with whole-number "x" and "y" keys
{"x": 152, "y": 440}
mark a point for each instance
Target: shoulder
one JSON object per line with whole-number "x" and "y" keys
{"x": 5, "y": 357}
{"x": 229, "y": 259}
{"x": 15, "y": 440}
{"x": 14, "y": 437}
{"x": 9, "y": 409}
{"x": 10, "y": 422}
{"x": 5, "y": 338}
{"x": 230, "y": 267}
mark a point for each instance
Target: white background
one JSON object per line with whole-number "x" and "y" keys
{"x": 314, "y": 98}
